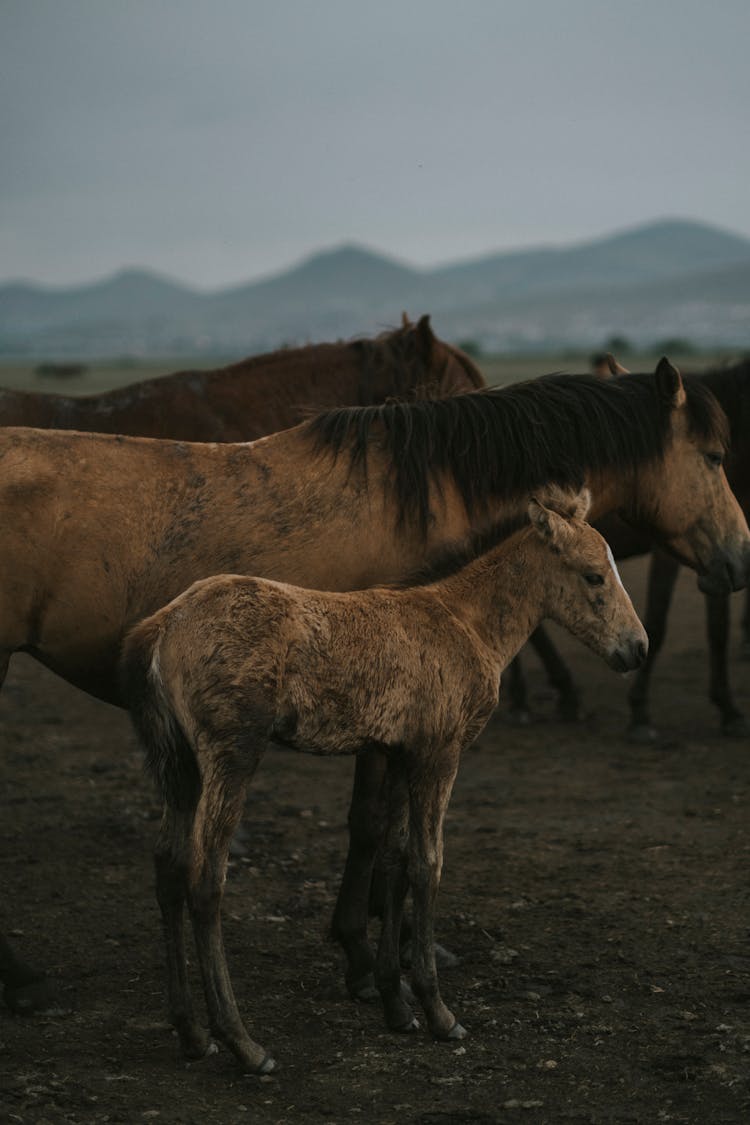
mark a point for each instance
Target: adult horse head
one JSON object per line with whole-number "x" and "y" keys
{"x": 649, "y": 447}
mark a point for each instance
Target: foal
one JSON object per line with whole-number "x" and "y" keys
{"x": 235, "y": 663}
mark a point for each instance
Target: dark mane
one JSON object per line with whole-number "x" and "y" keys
{"x": 512, "y": 440}
{"x": 452, "y": 557}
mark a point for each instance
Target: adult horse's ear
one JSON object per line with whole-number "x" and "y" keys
{"x": 605, "y": 366}
{"x": 425, "y": 337}
{"x": 614, "y": 367}
{"x": 405, "y": 322}
{"x": 669, "y": 382}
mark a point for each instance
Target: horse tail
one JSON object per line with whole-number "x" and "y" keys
{"x": 170, "y": 757}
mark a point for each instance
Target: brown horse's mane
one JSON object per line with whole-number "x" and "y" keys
{"x": 510, "y": 441}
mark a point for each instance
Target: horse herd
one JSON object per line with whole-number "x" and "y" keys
{"x": 353, "y": 582}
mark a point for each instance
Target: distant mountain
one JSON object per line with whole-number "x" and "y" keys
{"x": 672, "y": 277}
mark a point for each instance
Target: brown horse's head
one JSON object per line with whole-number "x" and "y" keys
{"x": 586, "y": 595}
{"x": 411, "y": 362}
{"x": 699, "y": 518}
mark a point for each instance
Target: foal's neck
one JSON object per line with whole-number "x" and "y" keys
{"x": 503, "y": 594}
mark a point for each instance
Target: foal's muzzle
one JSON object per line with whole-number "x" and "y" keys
{"x": 629, "y": 656}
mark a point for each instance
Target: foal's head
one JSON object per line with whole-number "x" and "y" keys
{"x": 584, "y": 591}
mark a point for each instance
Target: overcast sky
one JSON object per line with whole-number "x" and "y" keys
{"x": 219, "y": 141}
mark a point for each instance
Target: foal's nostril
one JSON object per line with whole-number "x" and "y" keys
{"x": 641, "y": 650}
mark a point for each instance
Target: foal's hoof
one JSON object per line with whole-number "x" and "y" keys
{"x": 456, "y": 1032}
{"x": 36, "y": 995}
{"x": 736, "y": 727}
{"x": 408, "y": 1027}
{"x": 197, "y": 1044}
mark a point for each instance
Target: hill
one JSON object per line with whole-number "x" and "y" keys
{"x": 667, "y": 278}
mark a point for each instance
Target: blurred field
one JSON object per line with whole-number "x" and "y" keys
{"x": 105, "y": 375}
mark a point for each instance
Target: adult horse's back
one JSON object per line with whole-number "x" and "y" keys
{"x": 259, "y": 395}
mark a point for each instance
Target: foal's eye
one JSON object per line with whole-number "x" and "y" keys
{"x": 715, "y": 460}
{"x": 594, "y": 579}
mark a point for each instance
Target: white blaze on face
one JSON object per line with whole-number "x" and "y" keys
{"x": 613, "y": 564}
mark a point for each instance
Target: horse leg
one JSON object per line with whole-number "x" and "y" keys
{"x": 662, "y": 576}
{"x": 171, "y": 862}
{"x": 430, "y": 787}
{"x": 745, "y": 626}
{"x": 219, "y": 810}
{"x": 398, "y": 1014}
{"x": 558, "y": 674}
{"x": 366, "y": 826}
{"x": 733, "y": 722}
{"x": 515, "y": 682}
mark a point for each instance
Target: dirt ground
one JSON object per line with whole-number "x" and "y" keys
{"x": 596, "y": 892}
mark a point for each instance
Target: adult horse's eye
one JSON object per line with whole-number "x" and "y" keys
{"x": 594, "y": 579}
{"x": 715, "y": 460}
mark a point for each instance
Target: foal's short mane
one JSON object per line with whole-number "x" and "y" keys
{"x": 452, "y": 557}
{"x": 510, "y": 441}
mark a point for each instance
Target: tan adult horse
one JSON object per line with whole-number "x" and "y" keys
{"x": 100, "y": 531}
{"x": 260, "y": 395}
{"x": 235, "y": 664}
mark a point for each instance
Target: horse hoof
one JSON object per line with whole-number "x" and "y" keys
{"x": 407, "y": 1028}
{"x": 268, "y": 1066}
{"x": 363, "y": 990}
{"x": 444, "y": 958}
{"x": 642, "y": 734}
{"x": 32, "y": 996}
{"x": 456, "y": 1032}
{"x": 198, "y": 1045}
{"x": 736, "y": 727}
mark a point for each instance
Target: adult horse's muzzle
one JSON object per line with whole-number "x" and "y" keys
{"x": 726, "y": 573}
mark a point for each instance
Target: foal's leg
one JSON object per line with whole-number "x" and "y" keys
{"x": 171, "y": 861}
{"x": 430, "y": 786}
{"x": 366, "y": 827}
{"x": 515, "y": 682}
{"x": 733, "y": 722}
{"x": 662, "y": 576}
{"x": 398, "y": 1014}
{"x": 218, "y": 813}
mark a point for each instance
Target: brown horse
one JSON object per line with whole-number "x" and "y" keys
{"x": 260, "y": 395}
{"x": 235, "y": 664}
{"x": 731, "y": 387}
{"x": 100, "y": 531}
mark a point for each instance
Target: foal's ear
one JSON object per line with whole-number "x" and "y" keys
{"x": 669, "y": 382}
{"x": 581, "y": 505}
{"x": 549, "y": 526}
{"x": 614, "y": 367}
